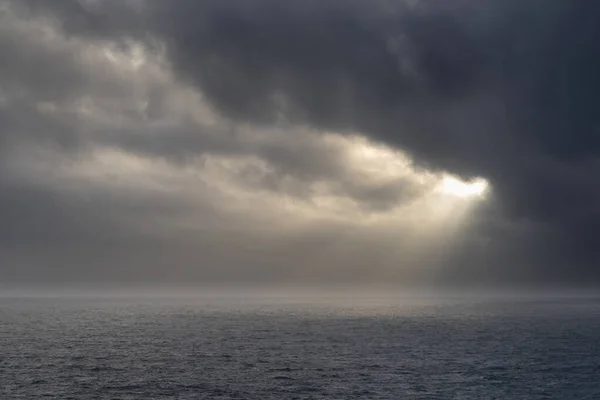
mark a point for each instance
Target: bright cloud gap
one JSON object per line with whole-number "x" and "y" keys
{"x": 475, "y": 188}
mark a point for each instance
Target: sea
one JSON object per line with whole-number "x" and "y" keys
{"x": 119, "y": 346}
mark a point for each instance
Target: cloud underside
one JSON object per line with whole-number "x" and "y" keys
{"x": 252, "y": 142}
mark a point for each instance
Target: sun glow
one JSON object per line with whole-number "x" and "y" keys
{"x": 475, "y": 188}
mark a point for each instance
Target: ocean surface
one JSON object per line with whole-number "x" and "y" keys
{"x": 115, "y": 347}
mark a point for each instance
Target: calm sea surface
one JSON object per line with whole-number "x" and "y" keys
{"x": 211, "y": 348}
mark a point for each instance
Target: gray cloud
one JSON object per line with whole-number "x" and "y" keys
{"x": 142, "y": 137}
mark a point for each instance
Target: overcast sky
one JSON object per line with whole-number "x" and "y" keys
{"x": 299, "y": 141}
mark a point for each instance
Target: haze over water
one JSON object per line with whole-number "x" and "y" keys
{"x": 248, "y": 346}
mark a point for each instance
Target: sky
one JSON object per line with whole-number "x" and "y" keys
{"x": 299, "y": 141}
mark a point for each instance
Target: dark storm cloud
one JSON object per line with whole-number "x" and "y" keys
{"x": 507, "y": 90}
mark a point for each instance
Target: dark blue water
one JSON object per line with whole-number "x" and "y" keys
{"x": 85, "y": 348}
